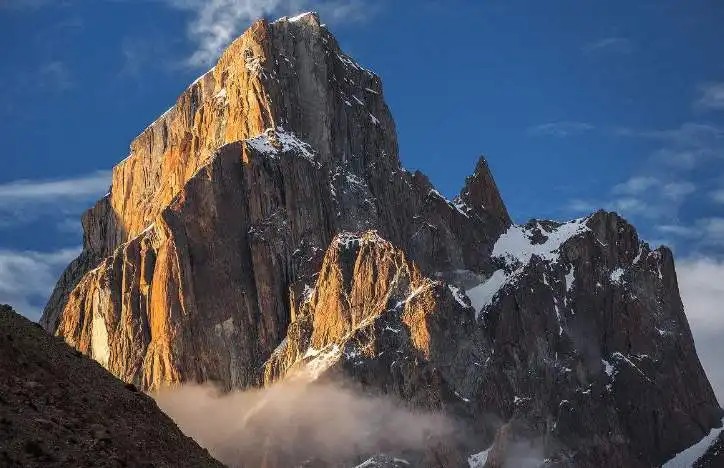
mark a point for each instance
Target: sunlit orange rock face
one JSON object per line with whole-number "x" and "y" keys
{"x": 230, "y": 197}
{"x": 264, "y": 229}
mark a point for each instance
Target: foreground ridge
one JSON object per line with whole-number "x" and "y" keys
{"x": 59, "y": 408}
{"x": 263, "y": 229}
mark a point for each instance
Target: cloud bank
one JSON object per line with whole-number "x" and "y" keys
{"x": 701, "y": 283}
{"x": 297, "y": 421}
{"x": 27, "y": 277}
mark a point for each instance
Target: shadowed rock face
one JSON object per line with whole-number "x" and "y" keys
{"x": 263, "y": 229}
{"x": 59, "y": 408}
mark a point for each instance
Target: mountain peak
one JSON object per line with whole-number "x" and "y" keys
{"x": 264, "y": 225}
{"x": 309, "y": 17}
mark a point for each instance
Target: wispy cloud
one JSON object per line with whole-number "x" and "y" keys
{"x": 711, "y": 96}
{"x": 688, "y": 133}
{"x": 214, "y": 24}
{"x": 28, "y": 190}
{"x": 55, "y": 75}
{"x": 635, "y": 185}
{"x": 23, "y": 201}
{"x": 685, "y": 146}
{"x": 27, "y": 277}
{"x": 647, "y": 197}
{"x": 707, "y": 232}
{"x": 688, "y": 232}
{"x": 560, "y": 129}
{"x": 613, "y": 44}
{"x": 718, "y": 196}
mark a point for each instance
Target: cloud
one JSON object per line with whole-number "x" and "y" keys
{"x": 678, "y": 231}
{"x": 635, "y": 185}
{"x": 27, "y": 277}
{"x": 560, "y": 129}
{"x": 702, "y": 291}
{"x": 42, "y": 191}
{"x": 693, "y": 134}
{"x": 650, "y": 197}
{"x": 712, "y": 231}
{"x": 619, "y": 45}
{"x": 718, "y": 196}
{"x": 578, "y": 205}
{"x": 23, "y": 201}
{"x": 677, "y": 191}
{"x": 711, "y": 96}
{"x": 54, "y": 75}
{"x": 295, "y": 421}
{"x": 214, "y": 24}
{"x": 685, "y": 146}
{"x": 706, "y": 232}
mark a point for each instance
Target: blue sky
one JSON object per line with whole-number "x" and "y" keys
{"x": 578, "y": 105}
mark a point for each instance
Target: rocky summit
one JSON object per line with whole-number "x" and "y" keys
{"x": 263, "y": 228}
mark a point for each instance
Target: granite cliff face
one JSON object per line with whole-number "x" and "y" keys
{"x": 263, "y": 228}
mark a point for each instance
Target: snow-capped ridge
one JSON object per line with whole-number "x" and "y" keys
{"x": 520, "y": 243}
{"x": 516, "y": 247}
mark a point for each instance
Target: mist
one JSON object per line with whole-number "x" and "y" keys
{"x": 702, "y": 290}
{"x": 293, "y": 422}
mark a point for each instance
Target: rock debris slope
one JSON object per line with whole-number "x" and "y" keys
{"x": 264, "y": 226}
{"x": 59, "y": 408}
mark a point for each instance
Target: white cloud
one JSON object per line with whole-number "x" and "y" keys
{"x": 679, "y": 231}
{"x": 705, "y": 232}
{"x": 677, "y": 191}
{"x": 215, "y": 23}
{"x": 688, "y": 133}
{"x": 41, "y": 191}
{"x": 635, "y": 185}
{"x": 685, "y": 146}
{"x": 702, "y": 291}
{"x": 578, "y": 205}
{"x": 23, "y": 201}
{"x": 649, "y": 196}
{"x": 711, "y": 96}
{"x": 712, "y": 230}
{"x": 718, "y": 196}
{"x": 609, "y": 44}
{"x": 560, "y": 129}
{"x": 27, "y": 277}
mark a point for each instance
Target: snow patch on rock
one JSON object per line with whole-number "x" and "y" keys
{"x": 276, "y": 141}
{"x": 481, "y": 296}
{"x": 517, "y": 245}
{"x": 570, "y": 278}
{"x": 617, "y": 275}
{"x": 687, "y": 457}
{"x": 459, "y": 296}
{"x": 516, "y": 248}
{"x": 318, "y": 361}
{"x": 478, "y": 460}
